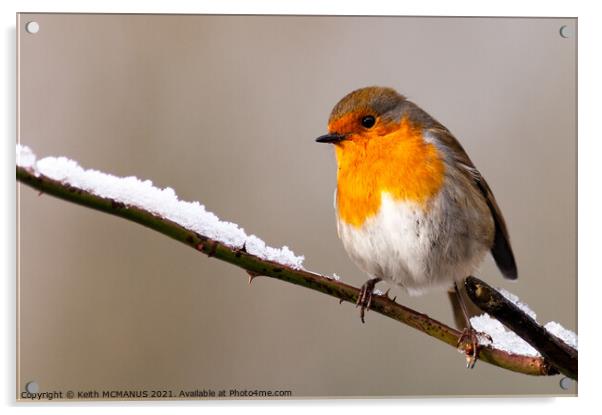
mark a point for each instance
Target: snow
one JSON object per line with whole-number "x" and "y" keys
{"x": 514, "y": 299}
{"x": 25, "y": 157}
{"x": 334, "y": 277}
{"x": 509, "y": 341}
{"x": 132, "y": 191}
{"x": 563, "y": 334}
{"x": 503, "y": 339}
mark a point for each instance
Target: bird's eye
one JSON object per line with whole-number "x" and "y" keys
{"x": 368, "y": 121}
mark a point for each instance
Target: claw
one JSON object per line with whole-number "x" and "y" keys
{"x": 364, "y": 299}
{"x": 471, "y": 347}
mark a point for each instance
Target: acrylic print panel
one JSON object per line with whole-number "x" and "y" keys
{"x": 225, "y": 110}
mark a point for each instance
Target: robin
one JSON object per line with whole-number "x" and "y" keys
{"x": 411, "y": 207}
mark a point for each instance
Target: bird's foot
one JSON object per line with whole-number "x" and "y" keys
{"x": 364, "y": 300}
{"x": 469, "y": 344}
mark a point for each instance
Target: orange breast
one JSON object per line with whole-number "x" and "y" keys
{"x": 400, "y": 163}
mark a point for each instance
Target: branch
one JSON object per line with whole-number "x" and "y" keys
{"x": 559, "y": 354}
{"x": 254, "y": 265}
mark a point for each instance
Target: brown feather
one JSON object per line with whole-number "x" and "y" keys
{"x": 501, "y": 248}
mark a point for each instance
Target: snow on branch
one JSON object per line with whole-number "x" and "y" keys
{"x": 508, "y": 340}
{"x": 191, "y": 224}
{"x": 162, "y": 202}
{"x": 527, "y": 337}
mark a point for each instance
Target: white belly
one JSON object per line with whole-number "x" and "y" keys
{"x": 414, "y": 249}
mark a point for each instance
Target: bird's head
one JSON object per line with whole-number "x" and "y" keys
{"x": 364, "y": 114}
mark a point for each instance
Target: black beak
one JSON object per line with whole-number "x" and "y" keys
{"x": 330, "y": 138}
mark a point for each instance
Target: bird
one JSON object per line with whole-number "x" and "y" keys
{"x": 411, "y": 207}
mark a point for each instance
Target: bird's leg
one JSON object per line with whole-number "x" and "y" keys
{"x": 364, "y": 299}
{"x": 471, "y": 348}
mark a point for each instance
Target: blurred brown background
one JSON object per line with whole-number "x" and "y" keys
{"x": 224, "y": 109}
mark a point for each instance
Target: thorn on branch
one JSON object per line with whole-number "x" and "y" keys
{"x": 243, "y": 249}
{"x": 252, "y": 275}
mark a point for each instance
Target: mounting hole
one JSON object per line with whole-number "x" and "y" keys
{"x": 32, "y": 387}
{"x": 565, "y": 31}
{"x": 32, "y": 27}
{"x": 566, "y": 383}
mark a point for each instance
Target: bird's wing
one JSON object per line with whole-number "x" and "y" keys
{"x": 501, "y": 249}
